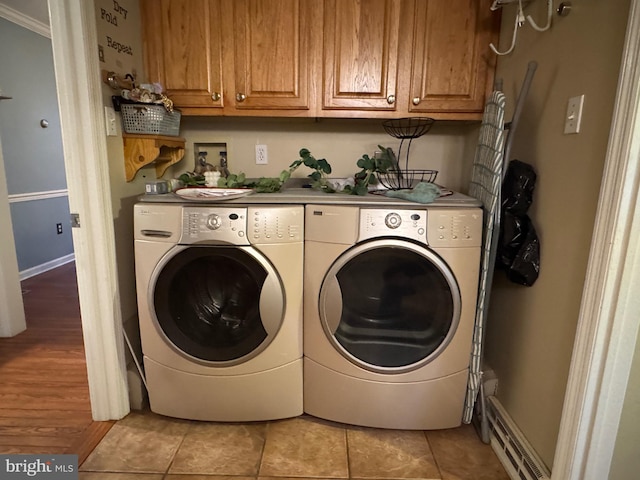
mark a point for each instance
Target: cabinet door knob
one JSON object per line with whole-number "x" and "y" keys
{"x": 215, "y": 96}
{"x": 391, "y": 99}
{"x": 240, "y": 97}
{"x": 416, "y": 100}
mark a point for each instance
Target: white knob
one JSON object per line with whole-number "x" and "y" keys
{"x": 393, "y": 220}
{"x": 214, "y": 221}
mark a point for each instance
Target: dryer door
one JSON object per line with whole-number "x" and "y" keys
{"x": 389, "y": 305}
{"x": 219, "y": 304}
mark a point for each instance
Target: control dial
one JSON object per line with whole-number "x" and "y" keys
{"x": 214, "y": 221}
{"x": 393, "y": 220}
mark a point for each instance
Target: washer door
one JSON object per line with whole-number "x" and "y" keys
{"x": 218, "y": 304}
{"x": 389, "y": 305}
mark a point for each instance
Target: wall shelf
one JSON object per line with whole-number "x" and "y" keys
{"x": 141, "y": 150}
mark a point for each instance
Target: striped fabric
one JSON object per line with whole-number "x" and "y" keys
{"x": 486, "y": 182}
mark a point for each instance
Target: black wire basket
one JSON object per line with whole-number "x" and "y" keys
{"x": 413, "y": 127}
{"x": 400, "y": 178}
{"x": 405, "y": 179}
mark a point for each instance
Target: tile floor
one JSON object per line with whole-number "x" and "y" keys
{"x": 146, "y": 446}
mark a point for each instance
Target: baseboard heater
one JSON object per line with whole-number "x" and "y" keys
{"x": 511, "y": 447}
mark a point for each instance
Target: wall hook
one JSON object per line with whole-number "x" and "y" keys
{"x": 519, "y": 21}
{"x": 564, "y": 8}
{"x": 130, "y": 77}
{"x": 549, "y": 15}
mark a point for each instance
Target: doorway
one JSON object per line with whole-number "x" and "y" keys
{"x": 32, "y": 151}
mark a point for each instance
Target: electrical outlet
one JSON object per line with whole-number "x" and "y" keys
{"x": 59, "y": 228}
{"x": 261, "y": 155}
{"x": 574, "y": 115}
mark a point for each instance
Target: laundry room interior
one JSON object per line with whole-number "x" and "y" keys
{"x": 530, "y": 331}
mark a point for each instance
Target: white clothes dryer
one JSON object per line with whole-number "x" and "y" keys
{"x": 389, "y": 305}
{"x": 220, "y": 306}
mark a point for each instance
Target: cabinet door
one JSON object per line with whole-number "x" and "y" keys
{"x": 361, "y": 54}
{"x": 452, "y": 65}
{"x": 183, "y": 50}
{"x": 272, "y": 54}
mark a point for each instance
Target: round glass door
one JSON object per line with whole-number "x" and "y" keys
{"x": 216, "y": 303}
{"x": 390, "y": 305}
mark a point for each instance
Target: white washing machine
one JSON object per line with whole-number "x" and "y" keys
{"x": 220, "y": 309}
{"x": 389, "y": 305}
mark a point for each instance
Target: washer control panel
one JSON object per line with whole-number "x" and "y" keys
{"x": 284, "y": 224}
{"x": 242, "y": 225}
{"x": 214, "y": 225}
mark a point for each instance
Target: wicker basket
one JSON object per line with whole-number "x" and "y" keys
{"x": 150, "y": 119}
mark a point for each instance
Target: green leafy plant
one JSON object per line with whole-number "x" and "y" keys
{"x": 321, "y": 169}
{"x": 370, "y": 167}
{"x": 261, "y": 185}
{"x": 190, "y": 179}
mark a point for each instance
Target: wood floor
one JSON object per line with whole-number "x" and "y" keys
{"x": 44, "y": 394}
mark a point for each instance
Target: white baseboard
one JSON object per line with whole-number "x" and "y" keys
{"x": 45, "y": 267}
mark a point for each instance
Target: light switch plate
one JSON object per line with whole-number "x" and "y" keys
{"x": 574, "y": 115}
{"x": 110, "y": 120}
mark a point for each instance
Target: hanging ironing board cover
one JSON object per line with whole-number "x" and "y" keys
{"x": 486, "y": 183}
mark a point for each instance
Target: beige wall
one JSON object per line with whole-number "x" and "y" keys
{"x": 448, "y": 147}
{"x": 531, "y": 330}
{"x": 123, "y": 193}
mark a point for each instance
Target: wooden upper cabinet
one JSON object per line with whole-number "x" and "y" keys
{"x": 272, "y": 54}
{"x": 322, "y": 58}
{"x": 360, "y": 68}
{"x": 452, "y": 66}
{"x": 182, "y": 46}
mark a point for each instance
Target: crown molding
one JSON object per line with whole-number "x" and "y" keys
{"x": 25, "y": 21}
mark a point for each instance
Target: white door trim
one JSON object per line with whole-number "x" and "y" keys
{"x": 610, "y": 313}
{"x": 75, "y": 55}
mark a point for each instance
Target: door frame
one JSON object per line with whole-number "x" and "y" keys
{"x": 75, "y": 54}
{"x": 609, "y": 317}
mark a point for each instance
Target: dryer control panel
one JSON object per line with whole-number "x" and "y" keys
{"x": 437, "y": 227}
{"x": 214, "y": 225}
{"x": 377, "y": 222}
{"x": 455, "y": 227}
